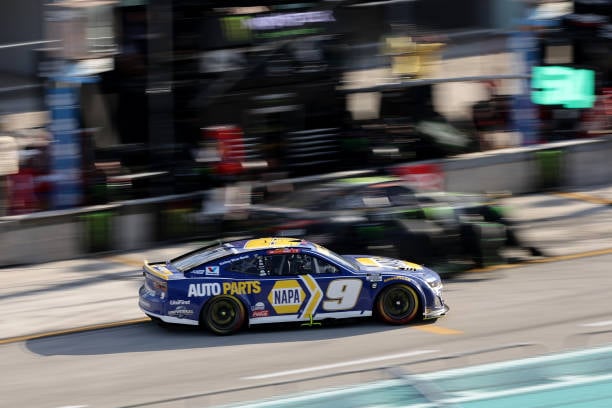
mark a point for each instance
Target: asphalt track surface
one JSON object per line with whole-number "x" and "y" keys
{"x": 72, "y": 335}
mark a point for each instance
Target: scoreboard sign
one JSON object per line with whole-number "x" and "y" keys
{"x": 566, "y": 86}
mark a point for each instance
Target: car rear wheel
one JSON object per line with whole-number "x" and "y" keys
{"x": 398, "y": 304}
{"x": 224, "y": 315}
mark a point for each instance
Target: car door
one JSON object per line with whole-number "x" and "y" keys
{"x": 296, "y": 286}
{"x": 281, "y": 293}
{"x": 333, "y": 291}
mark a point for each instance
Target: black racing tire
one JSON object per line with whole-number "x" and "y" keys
{"x": 223, "y": 315}
{"x": 398, "y": 304}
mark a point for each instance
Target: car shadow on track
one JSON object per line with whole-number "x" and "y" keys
{"x": 146, "y": 337}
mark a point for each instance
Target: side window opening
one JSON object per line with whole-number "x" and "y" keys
{"x": 305, "y": 264}
{"x": 302, "y": 264}
{"x": 282, "y": 265}
{"x": 249, "y": 266}
{"x": 277, "y": 265}
{"x": 324, "y": 267}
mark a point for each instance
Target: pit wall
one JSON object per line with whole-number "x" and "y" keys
{"x": 132, "y": 225}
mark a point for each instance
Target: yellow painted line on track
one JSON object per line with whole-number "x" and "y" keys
{"x": 557, "y": 258}
{"x": 125, "y": 261}
{"x": 438, "y": 330}
{"x": 596, "y": 252}
{"x": 585, "y": 197}
{"x": 73, "y": 330}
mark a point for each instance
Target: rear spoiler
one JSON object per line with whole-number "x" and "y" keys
{"x": 157, "y": 269}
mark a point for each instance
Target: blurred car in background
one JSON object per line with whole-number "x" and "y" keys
{"x": 385, "y": 214}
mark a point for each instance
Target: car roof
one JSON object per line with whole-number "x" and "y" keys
{"x": 271, "y": 243}
{"x": 221, "y": 249}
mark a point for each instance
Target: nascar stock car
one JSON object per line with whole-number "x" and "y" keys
{"x": 230, "y": 285}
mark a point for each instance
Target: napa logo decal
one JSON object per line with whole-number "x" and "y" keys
{"x": 286, "y": 296}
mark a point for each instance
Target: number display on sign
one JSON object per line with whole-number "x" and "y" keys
{"x": 342, "y": 294}
{"x": 558, "y": 85}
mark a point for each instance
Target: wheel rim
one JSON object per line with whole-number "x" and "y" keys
{"x": 399, "y": 303}
{"x": 223, "y": 313}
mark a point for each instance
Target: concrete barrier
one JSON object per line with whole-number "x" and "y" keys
{"x": 133, "y": 229}
{"x": 588, "y": 163}
{"x": 559, "y": 165}
{"x": 129, "y": 225}
{"x": 511, "y": 170}
{"x": 45, "y": 236}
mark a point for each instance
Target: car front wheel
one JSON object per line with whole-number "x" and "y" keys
{"x": 398, "y": 304}
{"x": 224, "y": 315}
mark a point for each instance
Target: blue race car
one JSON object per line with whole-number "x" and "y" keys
{"x": 227, "y": 286}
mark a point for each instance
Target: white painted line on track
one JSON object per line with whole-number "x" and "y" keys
{"x": 338, "y": 365}
{"x": 304, "y": 400}
{"x": 74, "y": 406}
{"x": 456, "y": 372}
{"x": 475, "y": 395}
{"x": 598, "y": 324}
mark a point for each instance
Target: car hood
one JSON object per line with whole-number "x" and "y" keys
{"x": 384, "y": 265}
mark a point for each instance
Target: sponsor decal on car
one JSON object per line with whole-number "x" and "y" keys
{"x": 403, "y": 278}
{"x": 204, "y": 289}
{"x": 373, "y": 277}
{"x": 177, "y": 302}
{"x": 226, "y": 288}
{"x": 271, "y": 243}
{"x": 260, "y": 313}
{"x": 212, "y": 271}
{"x": 283, "y": 251}
{"x": 241, "y": 288}
{"x": 180, "y": 311}
{"x": 144, "y": 304}
{"x": 238, "y": 258}
{"x": 286, "y": 296}
{"x": 258, "y": 306}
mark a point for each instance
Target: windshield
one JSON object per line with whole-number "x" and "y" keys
{"x": 349, "y": 264}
